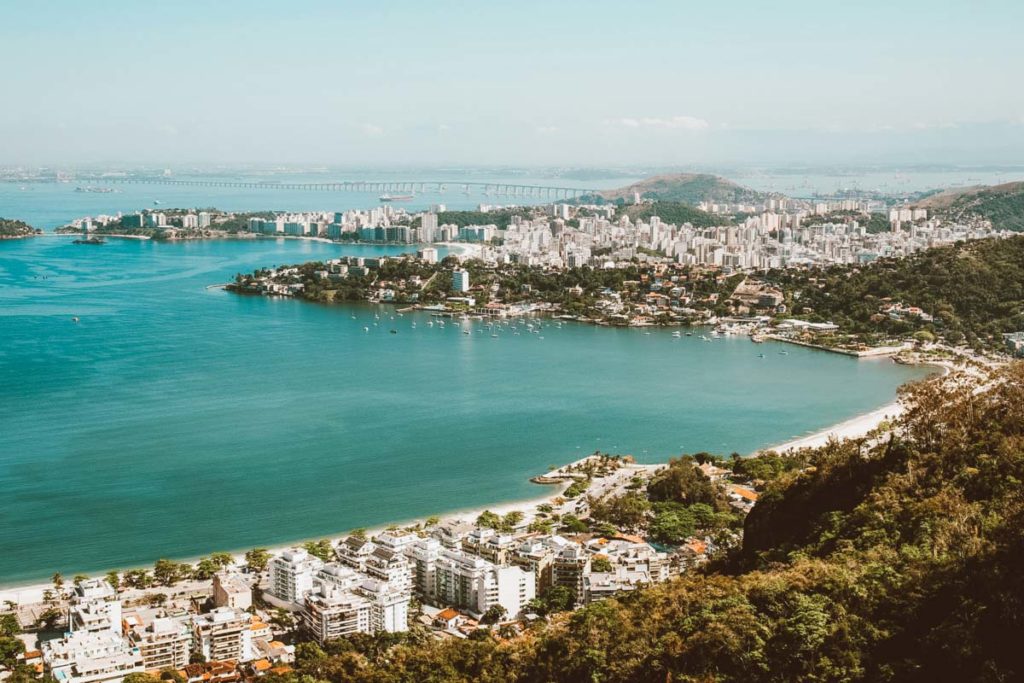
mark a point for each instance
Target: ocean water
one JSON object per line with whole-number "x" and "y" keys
{"x": 174, "y": 419}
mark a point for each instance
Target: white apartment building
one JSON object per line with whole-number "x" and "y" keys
{"x": 331, "y": 612}
{"x": 292, "y": 573}
{"x": 460, "y": 280}
{"x": 164, "y": 642}
{"x": 389, "y": 608}
{"x": 91, "y": 657}
{"x": 95, "y": 617}
{"x": 223, "y": 633}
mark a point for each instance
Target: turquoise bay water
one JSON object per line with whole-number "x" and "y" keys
{"x": 175, "y": 420}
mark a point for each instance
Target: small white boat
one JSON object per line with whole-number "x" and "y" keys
{"x": 365, "y": 328}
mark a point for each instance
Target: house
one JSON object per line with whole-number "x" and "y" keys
{"x": 450, "y": 619}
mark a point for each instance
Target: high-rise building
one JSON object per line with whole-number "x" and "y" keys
{"x": 460, "y": 280}
{"x": 332, "y": 612}
{"x": 292, "y": 573}
{"x": 223, "y": 633}
{"x": 164, "y": 642}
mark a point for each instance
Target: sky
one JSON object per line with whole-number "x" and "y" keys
{"x": 523, "y": 82}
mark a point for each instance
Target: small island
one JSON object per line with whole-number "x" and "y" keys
{"x": 15, "y": 229}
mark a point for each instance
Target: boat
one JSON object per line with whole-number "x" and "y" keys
{"x": 466, "y": 332}
{"x": 676, "y": 335}
{"x": 760, "y": 355}
{"x": 494, "y": 336}
{"x": 394, "y": 331}
{"x": 365, "y": 328}
{"x": 75, "y": 319}
{"x": 396, "y": 198}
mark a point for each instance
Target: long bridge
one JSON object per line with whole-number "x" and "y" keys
{"x": 398, "y": 187}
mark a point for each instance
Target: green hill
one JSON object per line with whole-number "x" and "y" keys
{"x": 690, "y": 188}
{"x": 1001, "y": 204}
{"x": 897, "y": 561}
{"x": 16, "y": 228}
{"x": 974, "y": 290}
{"x": 671, "y": 212}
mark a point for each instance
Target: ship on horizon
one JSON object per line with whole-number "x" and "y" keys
{"x": 396, "y": 197}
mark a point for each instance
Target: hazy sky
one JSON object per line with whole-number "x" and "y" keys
{"x": 518, "y": 82}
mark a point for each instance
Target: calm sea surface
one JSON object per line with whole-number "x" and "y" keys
{"x": 175, "y": 420}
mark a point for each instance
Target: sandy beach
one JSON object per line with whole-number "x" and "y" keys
{"x": 854, "y": 428}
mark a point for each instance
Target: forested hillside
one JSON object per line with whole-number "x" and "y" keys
{"x": 15, "y": 228}
{"x": 899, "y": 561}
{"x": 974, "y": 291}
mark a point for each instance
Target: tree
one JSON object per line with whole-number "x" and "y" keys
{"x": 488, "y": 519}
{"x": 10, "y": 649}
{"x": 511, "y": 519}
{"x": 222, "y": 560}
{"x": 628, "y": 510}
{"x": 79, "y": 578}
{"x": 205, "y": 568}
{"x": 167, "y": 572}
{"x": 433, "y": 520}
{"x": 321, "y": 549}
{"x": 58, "y": 582}
{"x": 283, "y": 619}
{"x": 493, "y": 615}
{"x": 140, "y": 678}
{"x": 171, "y": 674}
{"x": 114, "y": 579}
{"x": 48, "y": 618}
{"x": 574, "y": 524}
{"x": 600, "y": 564}
{"x": 256, "y": 560}
{"x": 682, "y": 482}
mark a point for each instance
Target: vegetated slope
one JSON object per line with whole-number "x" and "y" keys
{"x": 974, "y": 290}
{"x": 898, "y": 561}
{"x": 671, "y": 212}
{"x": 1001, "y": 204}
{"x": 10, "y": 227}
{"x": 691, "y": 188}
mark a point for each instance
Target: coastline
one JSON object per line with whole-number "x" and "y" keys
{"x": 852, "y": 428}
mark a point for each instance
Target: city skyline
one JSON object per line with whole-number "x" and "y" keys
{"x": 529, "y": 84}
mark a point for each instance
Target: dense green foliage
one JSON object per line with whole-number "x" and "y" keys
{"x": 898, "y": 561}
{"x": 974, "y": 290}
{"x": 15, "y": 228}
{"x": 671, "y": 212}
{"x": 499, "y": 217}
{"x": 1003, "y": 205}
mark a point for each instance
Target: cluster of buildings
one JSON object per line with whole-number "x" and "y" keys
{"x": 369, "y": 583}
{"x": 776, "y": 233}
{"x": 106, "y": 640}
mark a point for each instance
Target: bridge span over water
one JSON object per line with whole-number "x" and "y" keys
{"x": 388, "y": 187}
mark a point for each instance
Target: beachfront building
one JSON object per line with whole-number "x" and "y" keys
{"x": 510, "y": 587}
{"x": 291, "y": 574}
{"x": 570, "y": 569}
{"x": 224, "y": 633}
{"x": 389, "y": 607}
{"x": 331, "y": 612}
{"x": 164, "y": 642}
{"x": 472, "y": 583}
{"x": 96, "y": 616}
{"x": 536, "y": 557}
{"x": 91, "y": 657}
{"x": 489, "y": 544}
{"x": 231, "y": 590}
